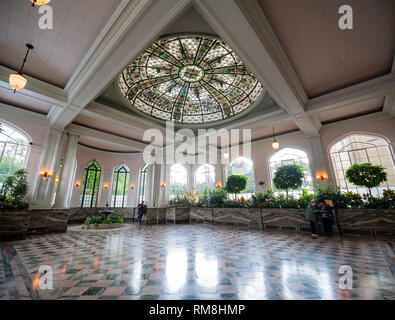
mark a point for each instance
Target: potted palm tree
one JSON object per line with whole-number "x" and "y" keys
{"x": 14, "y": 216}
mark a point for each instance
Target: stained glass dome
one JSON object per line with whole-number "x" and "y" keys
{"x": 189, "y": 79}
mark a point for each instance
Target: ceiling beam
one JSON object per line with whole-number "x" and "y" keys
{"x": 137, "y": 23}
{"x": 257, "y": 45}
{"x": 374, "y": 88}
{"x": 35, "y": 88}
{"x": 101, "y": 136}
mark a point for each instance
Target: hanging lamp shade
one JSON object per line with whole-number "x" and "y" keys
{"x": 40, "y": 2}
{"x": 17, "y": 81}
{"x": 275, "y": 145}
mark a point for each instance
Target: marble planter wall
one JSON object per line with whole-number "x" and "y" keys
{"x": 14, "y": 225}
{"x": 47, "y": 221}
{"x": 178, "y": 215}
{"x": 201, "y": 214}
{"x": 250, "y": 218}
{"x": 155, "y": 215}
{"x": 378, "y": 222}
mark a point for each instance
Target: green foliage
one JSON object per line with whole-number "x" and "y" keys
{"x": 366, "y": 175}
{"x": 236, "y": 183}
{"x": 288, "y": 176}
{"x": 111, "y": 219}
{"x": 217, "y": 197}
{"x": 13, "y": 191}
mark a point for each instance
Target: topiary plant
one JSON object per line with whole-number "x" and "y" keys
{"x": 288, "y": 176}
{"x": 236, "y": 183}
{"x": 366, "y": 175}
{"x": 14, "y": 190}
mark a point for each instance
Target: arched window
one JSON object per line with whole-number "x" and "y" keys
{"x": 204, "y": 177}
{"x": 245, "y": 167}
{"x": 90, "y": 184}
{"x": 292, "y": 156}
{"x": 119, "y": 186}
{"x": 178, "y": 179}
{"x": 14, "y": 146}
{"x": 361, "y": 148}
{"x": 143, "y": 183}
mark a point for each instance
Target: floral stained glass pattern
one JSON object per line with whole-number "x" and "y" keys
{"x": 189, "y": 79}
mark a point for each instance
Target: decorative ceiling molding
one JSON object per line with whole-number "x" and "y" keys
{"x": 374, "y": 88}
{"x": 270, "y": 64}
{"x": 22, "y": 114}
{"x": 101, "y": 136}
{"x": 140, "y": 24}
{"x": 35, "y": 88}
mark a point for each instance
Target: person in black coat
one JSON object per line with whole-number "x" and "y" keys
{"x": 325, "y": 212}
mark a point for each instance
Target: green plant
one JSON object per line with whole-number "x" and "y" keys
{"x": 111, "y": 219}
{"x": 288, "y": 176}
{"x": 305, "y": 199}
{"x": 217, "y": 197}
{"x": 236, "y": 183}
{"x": 366, "y": 175}
{"x": 13, "y": 191}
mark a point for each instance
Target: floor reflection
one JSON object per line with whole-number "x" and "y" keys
{"x": 195, "y": 262}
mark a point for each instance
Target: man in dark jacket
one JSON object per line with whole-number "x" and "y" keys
{"x": 326, "y": 217}
{"x": 141, "y": 211}
{"x": 311, "y": 216}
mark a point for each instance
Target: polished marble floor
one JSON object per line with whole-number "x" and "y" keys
{"x": 195, "y": 262}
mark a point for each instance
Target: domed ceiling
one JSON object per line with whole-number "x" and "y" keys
{"x": 189, "y": 79}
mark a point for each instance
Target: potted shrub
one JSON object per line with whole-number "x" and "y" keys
{"x": 288, "y": 176}
{"x": 366, "y": 175}
{"x": 14, "y": 217}
{"x": 236, "y": 183}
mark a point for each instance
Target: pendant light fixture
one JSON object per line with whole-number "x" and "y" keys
{"x": 275, "y": 143}
{"x": 17, "y": 80}
{"x": 40, "y": 2}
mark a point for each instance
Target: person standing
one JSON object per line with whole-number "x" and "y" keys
{"x": 141, "y": 211}
{"x": 326, "y": 217}
{"x": 311, "y": 216}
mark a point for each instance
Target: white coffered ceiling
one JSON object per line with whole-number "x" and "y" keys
{"x": 314, "y": 74}
{"x": 57, "y": 52}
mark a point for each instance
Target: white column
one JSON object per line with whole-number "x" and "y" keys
{"x": 44, "y": 188}
{"x": 76, "y": 191}
{"x": 104, "y": 195}
{"x": 149, "y": 186}
{"x": 132, "y": 193}
{"x": 319, "y": 164}
{"x": 67, "y": 175}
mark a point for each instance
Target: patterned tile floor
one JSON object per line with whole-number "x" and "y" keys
{"x": 195, "y": 262}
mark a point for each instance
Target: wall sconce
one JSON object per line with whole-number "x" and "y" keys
{"x": 322, "y": 177}
{"x": 132, "y": 186}
{"x": 218, "y": 185}
{"x": 45, "y": 174}
{"x": 226, "y": 155}
{"x": 77, "y": 184}
{"x": 163, "y": 184}
{"x": 106, "y": 186}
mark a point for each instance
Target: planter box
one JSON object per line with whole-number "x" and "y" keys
{"x": 79, "y": 215}
{"x": 14, "y": 224}
{"x": 103, "y": 226}
{"x": 48, "y": 221}
{"x": 285, "y": 219}
{"x": 178, "y": 215}
{"x": 378, "y": 222}
{"x": 201, "y": 214}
